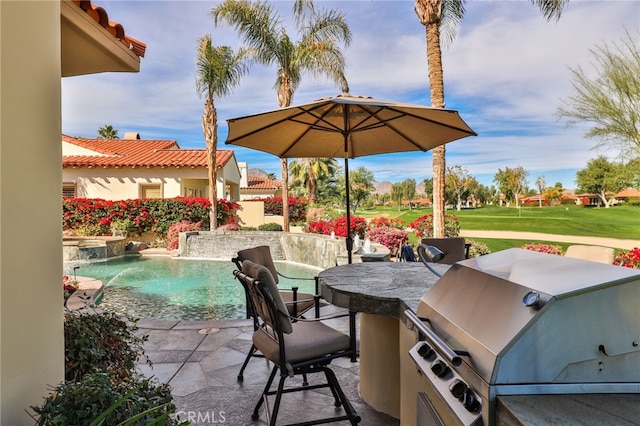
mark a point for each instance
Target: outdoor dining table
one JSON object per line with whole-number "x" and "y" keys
{"x": 380, "y": 292}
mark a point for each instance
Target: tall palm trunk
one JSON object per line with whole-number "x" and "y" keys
{"x": 284, "y": 100}
{"x": 210, "y": 129}
{"x": 436, "y": 83}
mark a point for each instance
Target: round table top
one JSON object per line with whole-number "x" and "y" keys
{"x": 383, "y": 288}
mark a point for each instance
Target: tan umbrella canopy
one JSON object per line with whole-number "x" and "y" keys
{"x": 349, "y": 127}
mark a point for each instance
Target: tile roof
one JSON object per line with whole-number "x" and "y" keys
{"x": 99, "y": 14}
{"x": 629, "y": 192}
{"x": 139, "y": 153}
{"x": 258, "y": 182}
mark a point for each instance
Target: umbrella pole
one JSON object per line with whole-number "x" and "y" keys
{"x": 346, "y": 178}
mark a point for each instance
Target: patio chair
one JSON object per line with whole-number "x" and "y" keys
{"x": 295, "y": 346}
{"x": 454, "y": 249}
{"x": 297, "y": 303}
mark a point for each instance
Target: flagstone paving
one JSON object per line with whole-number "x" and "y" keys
{"x": 200, "y": 360}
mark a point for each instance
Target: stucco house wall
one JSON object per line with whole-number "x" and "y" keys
{"x": 95, "y": 173}
{"x": 40, "y": 42}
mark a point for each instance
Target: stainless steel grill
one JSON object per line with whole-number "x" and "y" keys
{"x": 519, "y": 322}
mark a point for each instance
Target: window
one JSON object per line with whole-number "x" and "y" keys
{"x": 69, "y": 189}
{"x": 153, "y": 190}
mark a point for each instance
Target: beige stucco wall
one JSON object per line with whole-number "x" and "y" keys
{"x": 252, "y": 214}
{"x": 31, "y": 315}
{"x": 124, "y": 183}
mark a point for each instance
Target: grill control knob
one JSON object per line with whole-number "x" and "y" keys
{"x": 470, "y": 401}
{"x": 425, "y": 351}
{"x": 439, "y": 368}
{"x": 458, "y": 388}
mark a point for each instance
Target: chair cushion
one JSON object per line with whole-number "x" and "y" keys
{"x": 262, "y": 256}
{"x": 307, "y": 341}
{"x": 262, "y": 274}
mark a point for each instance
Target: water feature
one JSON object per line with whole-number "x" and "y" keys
{"x": 187, "y": 289}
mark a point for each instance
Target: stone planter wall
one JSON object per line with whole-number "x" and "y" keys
{"x": 311, "y": 249}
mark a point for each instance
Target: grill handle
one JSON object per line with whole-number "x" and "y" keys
{"x": 433, "y": 338}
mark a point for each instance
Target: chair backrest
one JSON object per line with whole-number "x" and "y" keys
{"x": 262, "y": 256}
{"x": 407, "y": 254}
{"x": 593, "y": 253}
{"x": 264, "y": 296}
{"x": 453, "y": 248}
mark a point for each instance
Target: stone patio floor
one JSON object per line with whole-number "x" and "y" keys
{"x": 201, "y": 359}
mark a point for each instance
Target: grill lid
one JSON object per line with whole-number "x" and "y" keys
{"x": 528, "y": 317}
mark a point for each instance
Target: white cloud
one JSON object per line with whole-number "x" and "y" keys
{"x": 506, "y": 72}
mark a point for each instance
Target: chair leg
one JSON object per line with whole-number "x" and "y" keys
{"x": 256, "y": 411}
{"x": 276, "y": 404}
{"x": 352, "y": 336}
{"x": 354, "y": 418}
{"x": 252, "y": 351}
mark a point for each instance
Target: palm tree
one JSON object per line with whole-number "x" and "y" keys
{"x": 218, "y": 70}
{"x": 107, "y": 132}
{"x": 446, "y": 15}
{"x": 309, "y": 170}
{"x": 317, "y": 51}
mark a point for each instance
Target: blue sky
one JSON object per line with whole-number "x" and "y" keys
{"x": 506, "y": 72}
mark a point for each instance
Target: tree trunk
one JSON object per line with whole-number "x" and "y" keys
{"x": 210, "y": 129}
{"x": 436, "y": 83}
{"x": 284, "y": 100}
{"x": 285, "y": 193}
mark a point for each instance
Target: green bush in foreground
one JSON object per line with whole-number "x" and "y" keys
{"x": 103, "y": 396}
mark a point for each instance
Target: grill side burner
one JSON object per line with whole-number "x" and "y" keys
{"x": 520, "y": 322}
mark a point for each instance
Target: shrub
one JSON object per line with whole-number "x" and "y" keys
{"x": 385, "y": 221}
{"x": 92, "y": 216}
{"x": 628, "y": 258}
{"x": 229, "y": 227}
{"x": 297, "y": 207}
{"x": 477, "y": 249}
{"x": 69, "y": 286}
{"x": 391, "y": 238}
{"x": 424, "y": 226}
{"x": 270, "y": 227}
{"x": 339, "y": 226}
{"x": 173, "y": 234}
{"x": 543, "y": 248}
{"x": 320, "y": 227}
{"x": 100, "y": 342}
{"x": 358, "y": 226}
{"x": 84, "y": 401}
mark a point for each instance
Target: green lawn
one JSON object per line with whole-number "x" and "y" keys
{"x": 621, "y": 221}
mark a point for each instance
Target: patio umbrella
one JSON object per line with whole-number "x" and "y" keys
{"x": 349, "y": 127}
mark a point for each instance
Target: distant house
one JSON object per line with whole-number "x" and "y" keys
{"x": 255, "y": 186}
{"x": 627, "y": 194}
{"x": 120, "y": 169}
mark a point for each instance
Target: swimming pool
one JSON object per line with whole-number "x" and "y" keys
{"x": 186, "y": 289}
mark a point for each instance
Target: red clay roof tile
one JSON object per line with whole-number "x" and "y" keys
{"x": 99, "y": 14}
{"x": 257, "y": 182}
{"x": 139, "y": 153}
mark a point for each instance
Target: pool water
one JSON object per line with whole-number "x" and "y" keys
{"x": 185, "y": 289}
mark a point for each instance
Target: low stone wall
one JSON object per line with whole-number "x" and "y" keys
{"x": 311, "y": 249}
{"x": 92, "y": 248}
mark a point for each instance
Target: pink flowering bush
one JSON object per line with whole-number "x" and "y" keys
{"x": 628, "y": 258}
{"x": 543, "y": 248}
{"x": 69, "y": 286}
{"x": 173, "y": 234}
{"x": 391, "y": 238}
{"x": 229, "y": 227}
